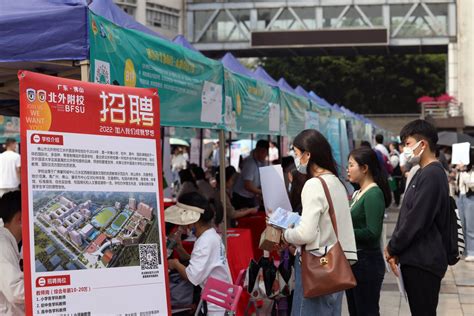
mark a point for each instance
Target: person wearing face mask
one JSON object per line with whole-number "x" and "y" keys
{"x": 313, "y": 157}
{"x": 10, "y": 163}
{"x": 208, "y": 257}
{"x": 418, "y": 241}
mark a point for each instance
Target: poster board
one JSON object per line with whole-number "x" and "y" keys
{"x": 93, "y": 222}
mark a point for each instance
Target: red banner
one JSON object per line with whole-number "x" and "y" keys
{"x": 93, "y": 220}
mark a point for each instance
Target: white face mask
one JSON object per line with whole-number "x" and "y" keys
{"x": 410, "y": 155}
{"x": 299, "y": 166}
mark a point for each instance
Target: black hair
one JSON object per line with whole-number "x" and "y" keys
{"x": 10, "y": 204}
{"x": 287, "y": 161}
{"x": 10, "y": 141}
{"x": 198, "y": 173}
{"x": 365, "y": 143}
{"x": 297, "y": 185}
{"x": 197, "y": 200}
{"x": 262, "y": 143}
{"x": 312, "y": 141}
{"x": 186, "y": 175}
{"x": 367, "y": 157}
{"x": 379, "y": 138}
{"x": 395, "y": 144}
{"x": 420, "y": 130}
{"x": 229, "y": 172}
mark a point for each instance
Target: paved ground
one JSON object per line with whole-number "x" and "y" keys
{"x": 457, "y": 289}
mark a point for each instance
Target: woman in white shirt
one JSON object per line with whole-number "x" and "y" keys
{"x": 466, "y": 208}
{"x": 208, "y": 257}
{"x": 313, "y": 156}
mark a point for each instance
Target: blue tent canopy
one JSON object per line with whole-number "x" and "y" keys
{"x": 302, "y": 92}
{"x": 181, "y": 40}
{"x": 320, "y": 100}
{"x": 260, "y": 73}
{"x": 285, "y": 85}
{"x": 231, "y": 63}
{"x": 42, "y": 30}
{"x": 109, "y": 10}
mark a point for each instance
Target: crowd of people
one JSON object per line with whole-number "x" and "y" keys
{"x": 414, "y": 176}
{"x": 409, "y": 176}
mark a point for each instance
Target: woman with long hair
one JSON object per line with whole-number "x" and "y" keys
{"x": 313, "y": 157}
{"x": 367, "y": 210}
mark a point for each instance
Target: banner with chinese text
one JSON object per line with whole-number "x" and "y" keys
{"x": 251, "y": 106}
{"x": 93, "y": 227}
{"x": 190, "y": 84}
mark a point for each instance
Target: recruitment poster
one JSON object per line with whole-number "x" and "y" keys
{"x": 93, "y": 221}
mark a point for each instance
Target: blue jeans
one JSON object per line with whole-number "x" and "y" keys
{"x": 327, "y": 305}
{"x": 466, "y": 213}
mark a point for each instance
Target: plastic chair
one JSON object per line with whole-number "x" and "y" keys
{"x": 222, "y": 294}
{"x": 241, "y": 278}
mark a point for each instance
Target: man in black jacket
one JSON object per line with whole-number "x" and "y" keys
{"x": 417, "y": 242}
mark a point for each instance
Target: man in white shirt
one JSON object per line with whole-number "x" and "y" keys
{"x": 380, "y": 146}
{"x": 9, "y": 167}
{"x": 273, "y": 153}
{"x": 12, "y": 290}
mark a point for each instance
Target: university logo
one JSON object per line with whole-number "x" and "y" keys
{"x": 41, "y": 96}
{"x": 31, "y": 95}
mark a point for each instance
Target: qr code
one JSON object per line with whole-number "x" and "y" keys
{"x": 149, "y": 256}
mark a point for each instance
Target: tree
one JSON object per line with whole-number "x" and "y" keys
{"x": 365, "y": 84}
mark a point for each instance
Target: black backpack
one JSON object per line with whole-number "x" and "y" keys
{"x": 454, "y": 242}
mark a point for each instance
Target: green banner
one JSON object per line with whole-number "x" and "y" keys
{"x": 9, "y": 128}
{"x": 189, "y": 84}
{"x": 251, "y": 106}
{"x": 294, "y": 109}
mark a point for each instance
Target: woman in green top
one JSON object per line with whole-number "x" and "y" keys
{"x": 367, "y": 211}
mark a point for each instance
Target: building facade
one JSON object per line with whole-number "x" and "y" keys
{"x": 163, "y": 16}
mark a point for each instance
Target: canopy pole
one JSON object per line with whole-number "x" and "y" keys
{"x": 85, "y": 65}
{"x": 222, "y": 181}
{"x": 201, "y": 137}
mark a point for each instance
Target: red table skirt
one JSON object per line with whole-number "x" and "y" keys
{"x": 256, "y": 223}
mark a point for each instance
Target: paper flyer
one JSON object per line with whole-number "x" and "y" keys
{"x": 273, "y": 188}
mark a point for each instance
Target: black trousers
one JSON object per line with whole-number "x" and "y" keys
{"x": 422, "y": 290}
{"x": 369, "y": 271}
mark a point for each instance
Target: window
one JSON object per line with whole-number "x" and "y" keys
{"x": 162, "y": 17}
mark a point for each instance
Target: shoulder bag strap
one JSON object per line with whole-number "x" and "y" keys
{"x": 331, "y": 206}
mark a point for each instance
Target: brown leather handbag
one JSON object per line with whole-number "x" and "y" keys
{"x": 330, "y": 273}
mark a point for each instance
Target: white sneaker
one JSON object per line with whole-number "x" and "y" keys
{"x": 469, "y": 259}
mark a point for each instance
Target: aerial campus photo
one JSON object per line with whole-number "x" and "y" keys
{"x": 92, "y": 230}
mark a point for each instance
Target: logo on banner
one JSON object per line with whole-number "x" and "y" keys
{"x": 31, "y": 95}
{"x": 41, "y": 96}
{"x": 95, "y": 30}
{"x": 102, "y": 72}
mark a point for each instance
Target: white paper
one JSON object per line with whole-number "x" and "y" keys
{"x": 235, "y": 152}
{"x": 461, "y": 154}
{"x": 401, "y": 286}
{"x": 211, "y": 99}
{"x": 230, "y": 116}
{"x": 274, "y": 117}
{"x": 284, "y": 219}
{"x": 273, "y": 188}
